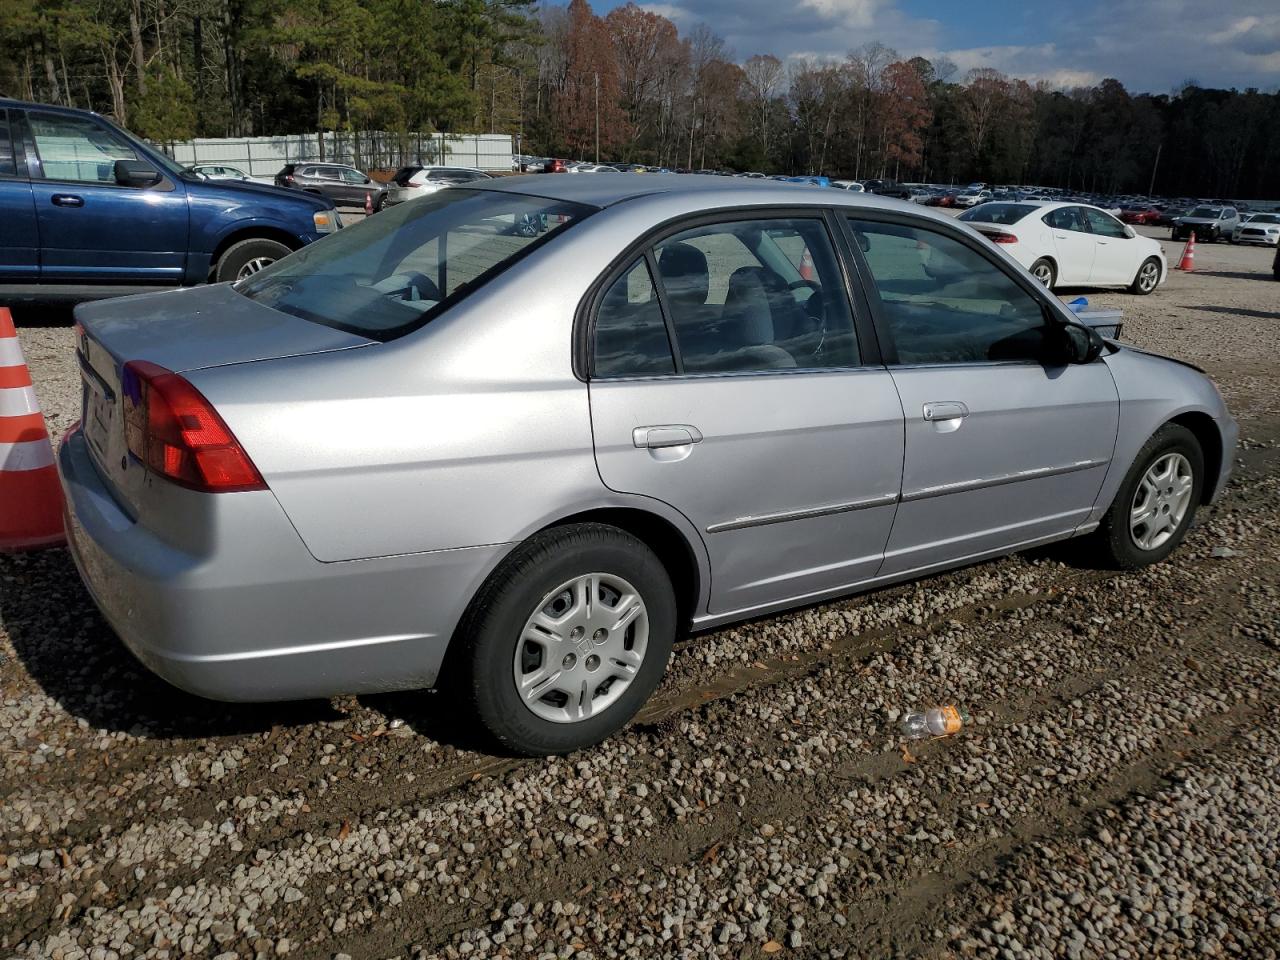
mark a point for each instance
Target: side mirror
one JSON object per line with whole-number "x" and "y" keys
{"x": 136, "y": 173}
{"x": 368, "y": 180}
{"x": 1075, "y": 343}
{"x": 1130, "y": 232}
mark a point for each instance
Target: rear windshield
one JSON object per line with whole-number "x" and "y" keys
{"x": 393, "y": 272}
{"x": 1005, "y": 213}
{"x": 402, "y": 175}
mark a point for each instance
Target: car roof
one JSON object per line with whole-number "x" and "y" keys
{"x": 700, "y": 190}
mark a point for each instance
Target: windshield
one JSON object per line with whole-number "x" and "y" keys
{"x": 1264, "y": 218}
{"x": 1005, "y": 213}
{"x": 391, "y": 273}
{"x": 1209, "y": 213}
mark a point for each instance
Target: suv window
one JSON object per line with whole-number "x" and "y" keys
{"x": 630, "y": 334}
{"x": 75, "y": 148}
{"x": 756, "y": 295}
{"x": 390, "y": 276}
{"x": 1103, "y": 224}
{"x": 353, "y": 176}
{"x": 8, "y": 167}
{"x": 944, "y": 302}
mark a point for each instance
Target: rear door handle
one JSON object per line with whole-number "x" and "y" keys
{"x": 945, "y": 410}
{"x": 665, "y": 435}
{"x": 66, "y": 200}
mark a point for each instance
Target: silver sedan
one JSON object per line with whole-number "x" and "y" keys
{"x": 514, "y": 437}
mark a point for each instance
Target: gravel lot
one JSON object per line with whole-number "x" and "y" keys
{"x": 1118, "y": 794}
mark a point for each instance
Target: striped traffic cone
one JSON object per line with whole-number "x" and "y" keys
{"x": 1188, "y": 261}
{"x": 30, "y": 494}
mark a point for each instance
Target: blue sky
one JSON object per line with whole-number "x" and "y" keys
{"x": 1149, "y": 45}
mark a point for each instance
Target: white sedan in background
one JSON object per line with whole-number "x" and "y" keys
{"x": 222, "y": 171}
{"x": 1072, "y": 244}
{"x": 971, "y": 198}
{"x": 428, "y": 180}
{"x": 1263, "y": 228}
{"x": 853, "y": 186}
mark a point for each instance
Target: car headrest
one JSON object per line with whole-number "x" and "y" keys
{"x": 684, "y": 272}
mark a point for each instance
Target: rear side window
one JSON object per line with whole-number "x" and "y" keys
{"x": 390, "y": 274}
{"x": 8, "y": 168}
{"x": 631, "y": 336}
{"x": 1003, "y": 213}
{"x": 943, "y": 302}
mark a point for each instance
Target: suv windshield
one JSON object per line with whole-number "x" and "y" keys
{"x": 1004, "y": 213}
{"x": 1206, "y": 213}
{"x": 392, "y": 273}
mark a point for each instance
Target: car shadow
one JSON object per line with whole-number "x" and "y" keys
{"x": 71, "y": 653}
{"x": 42, "y": 314}
{"x": 1237, "y": 275}
{"x": 1240, "y": 312}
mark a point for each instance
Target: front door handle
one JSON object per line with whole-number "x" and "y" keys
{"x": 945, "y": 410}
{"x": 66, "y": 200}
{"x": 665, "y": 435}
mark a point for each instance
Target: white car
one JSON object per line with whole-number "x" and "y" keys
{"x": 222, "y": 171}
{"x": 1263, "y": 228}
{"x": 853, "y": 186}
{"x": 1072, "y": 244}
{"x": 591, "y": 168}
{"x": 971, "y": 198}
{"x": 426, "y": 180}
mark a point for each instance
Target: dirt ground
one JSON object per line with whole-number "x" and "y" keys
{"x": 1117, "y": 794}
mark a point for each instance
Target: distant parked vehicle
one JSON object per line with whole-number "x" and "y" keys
{"x": 556, "y": 166}
{"x": 1261, "y": 228}
{"x": 853, "y": 186}
{"x": 1275, "y": 265}
{"x": 1140, "y": 215}
{"x": 887, "y": 188}
{"x": 344, "y": 185}
{"x": 593, "y": 168}
{"x": 427, "y": 180}
{"x": 221, "y": 171}
{"x": 1066, "y": 244}
{"x": 1209, "y": 224}
{"x": 972, "y": 198}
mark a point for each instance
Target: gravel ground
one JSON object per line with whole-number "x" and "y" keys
{"x": 1117, "y": 795}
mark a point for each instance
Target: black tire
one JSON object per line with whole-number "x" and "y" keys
{"x": 1143, "y": 282}
{"x": 1044, "y": 271}
{"x": 236, "y": 259}
{"x": 491, "y": 632}
{"x": 1113, "y": 542}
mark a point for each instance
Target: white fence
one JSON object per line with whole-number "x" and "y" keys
{"x": 371, "y": 150}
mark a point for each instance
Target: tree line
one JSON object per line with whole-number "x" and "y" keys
{"x": 627, "y": 86}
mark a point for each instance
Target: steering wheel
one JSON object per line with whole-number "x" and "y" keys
{"x": 422, "y": 285}
{"x": 801, "y": 283}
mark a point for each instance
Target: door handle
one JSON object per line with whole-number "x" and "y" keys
{"x": 66, "y": 200}
{"x": 665, "y": 435}
{"x": 945, "y": 410}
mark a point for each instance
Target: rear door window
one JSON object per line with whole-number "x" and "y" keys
{"x": 8, "y": 166}
{"x": 630, "y": 334}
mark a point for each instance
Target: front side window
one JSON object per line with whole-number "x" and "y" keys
{"x": 630, "y": 335}
{"x": 75, "y": 148}
{"x": 943, "y": 302}
{"x": 353, "y": 176}
{"x": 756, "y": 295}
{"x": 1103, "y": 224}
{"x": 8, "y": 167}
{"x": 387, "y": 275}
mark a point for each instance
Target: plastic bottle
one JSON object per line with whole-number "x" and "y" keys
{"x": 934, "y": 722}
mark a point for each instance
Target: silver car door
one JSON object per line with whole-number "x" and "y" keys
{"x": 768, "y": 425}
{"x": 1002, "y": 449}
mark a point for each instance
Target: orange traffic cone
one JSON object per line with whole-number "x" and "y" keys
{"x": 1188, "y": 261}
{"x": 30, "y": 494}
{"x": 368, "y": 204}
{"x": 806, "y": 265}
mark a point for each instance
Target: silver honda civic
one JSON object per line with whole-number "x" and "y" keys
{"x": 512, "y": 438}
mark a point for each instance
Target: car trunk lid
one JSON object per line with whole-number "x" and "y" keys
{"x": 181, "y": 331}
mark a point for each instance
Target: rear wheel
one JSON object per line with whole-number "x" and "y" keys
{"x": 568, "y": 638}
{"x": 247, "y": 257}
{"x": 1044, "y": 271}
{"x": 1147, "y": 278}
{"x": 1156, "y": 502}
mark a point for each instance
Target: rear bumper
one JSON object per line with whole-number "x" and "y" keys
{"x": 249, "y": 614}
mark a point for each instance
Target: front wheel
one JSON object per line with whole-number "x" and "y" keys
{"x": 1147, "y": 278}
{"x": 247, "y": 257}
{"x": 567, "y": 639}
{"x": 1043, "y": 271}
{"x": 1156, "y": 502}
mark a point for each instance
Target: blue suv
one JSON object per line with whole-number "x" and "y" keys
{"x": 90, "y": 211}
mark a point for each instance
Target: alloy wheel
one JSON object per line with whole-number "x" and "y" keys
{"x": 581, "y": 648}
{"x": 1148, "y": 277}
{"x": 1160, "y": 503}
{"x": 253, "y": 266}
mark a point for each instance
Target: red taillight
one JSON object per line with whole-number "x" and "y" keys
{"x": 175, "y": 431}
{"x": 996, "y": 237}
